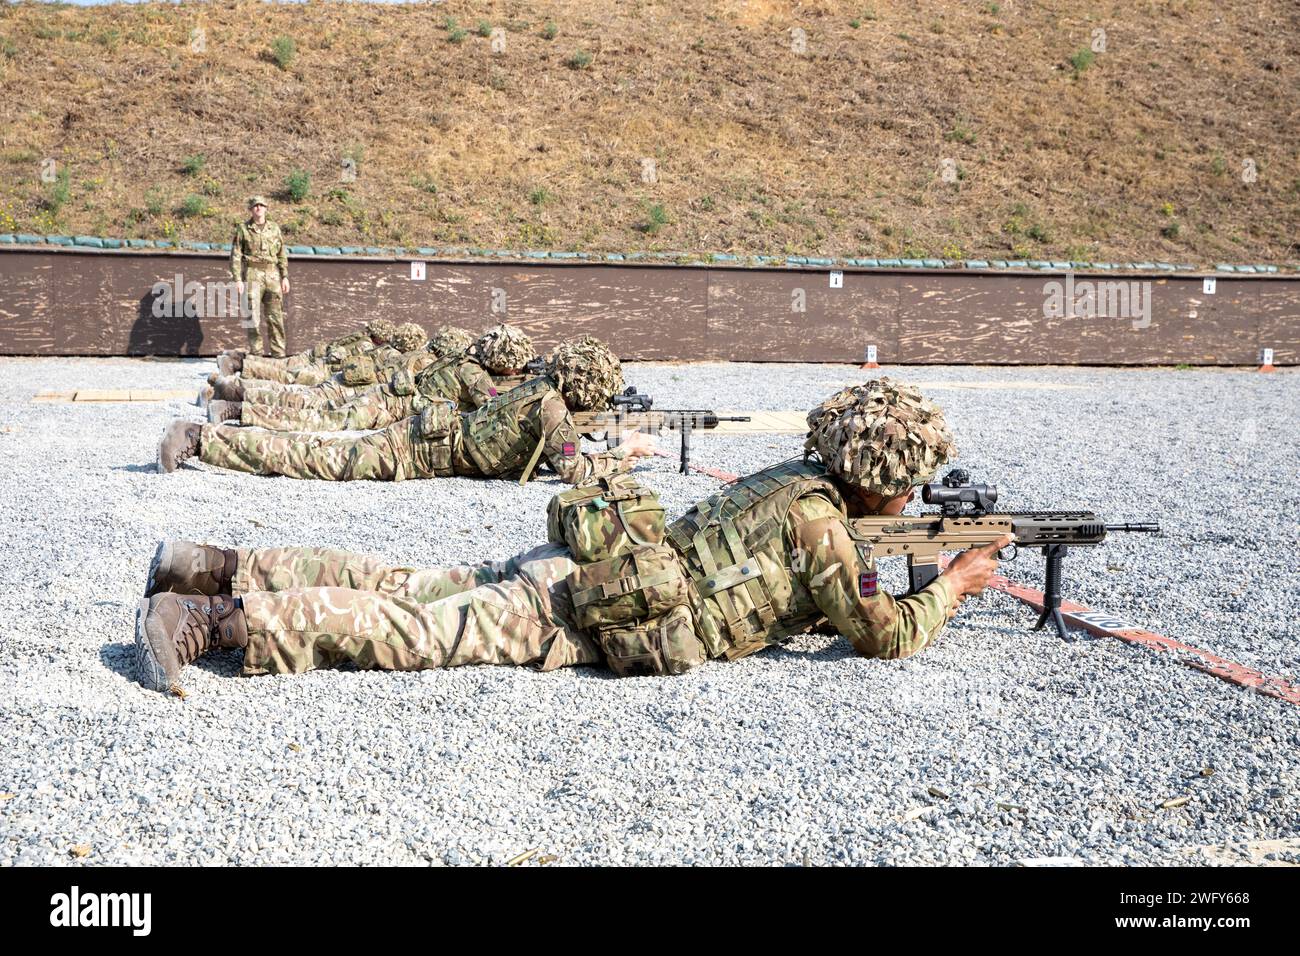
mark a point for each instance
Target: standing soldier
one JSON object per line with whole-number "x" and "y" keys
{"x": 258, "y": 262}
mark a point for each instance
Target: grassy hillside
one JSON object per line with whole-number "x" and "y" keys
{"x": 961, "y": 129}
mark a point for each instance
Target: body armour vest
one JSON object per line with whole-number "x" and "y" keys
{"x": 441, "y": 379}
{"x": 734, "y": 549}
{"x": 494, "y": 437}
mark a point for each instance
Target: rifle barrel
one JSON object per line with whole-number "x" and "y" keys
{"x": 1147, "y": 526}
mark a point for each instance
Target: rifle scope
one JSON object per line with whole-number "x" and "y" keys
{"x": 956, "y": 490}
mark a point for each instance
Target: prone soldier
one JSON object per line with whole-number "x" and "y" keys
{"x": 311, "y": 367}
{"x": 355, "y": 373}
{"x": 510, "y": 436}
{"x": 467, "y": 377}
{"x": 770, "y": 556}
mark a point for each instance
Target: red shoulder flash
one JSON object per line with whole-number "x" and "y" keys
{"x": 493, "y": 392}
{"x": 570, "y": 449}
{"x": 867, "y": 584}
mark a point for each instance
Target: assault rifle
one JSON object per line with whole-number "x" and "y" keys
{"x": 967, "y": 519}
{"x": 633, "y": 411}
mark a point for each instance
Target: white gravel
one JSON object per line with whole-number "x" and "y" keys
{"x": 995, "y": 746}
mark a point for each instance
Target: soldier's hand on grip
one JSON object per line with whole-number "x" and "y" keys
{"x": 638, "y": 444}
{"x": 970, "y": 571}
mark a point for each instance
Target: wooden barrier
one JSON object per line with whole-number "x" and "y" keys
{"x": 73, "y": 301}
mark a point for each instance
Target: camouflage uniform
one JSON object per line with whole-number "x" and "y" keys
{"x": 508, "y": 437}
{"x": 338, "y": 387}
{"x": 310, "y": 367}
{"x": 457, "y": 378}
{"x": 258, "y": 259}
{"x": 313, "y": 607}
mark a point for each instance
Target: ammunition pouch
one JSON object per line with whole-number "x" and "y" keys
{"x": 646, "y": 582}
{"x": 665, "y": 645}
{"x": 436, "y": 420}
{"x": 431, "y": 441}
{"x": 359, "y": 371}
{"x": 636, "y": 604}
{"x": 605, "y": 519}
{"x": 402, "y": 383}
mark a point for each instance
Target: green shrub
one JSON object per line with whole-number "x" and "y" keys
{"x": 539, "y": 196}
{"x": 484, "y": 29}
{"x": 1082, "y": 59}
{"x": 153, "y": 202}
{"x": 283, "y": 50}
{"x": 550, "y": 31}
{"x": 656, "y": 219}
{"x": 192, "y": 206}
{"x": 60, "y": 190}
{"x": 193, "y": 165}
{"x": 297, "y": 185}
{"x": 580, "y": 60}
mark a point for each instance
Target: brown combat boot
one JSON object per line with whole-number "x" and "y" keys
{"x": 230, "y": 362}
{"x": 179, "y": 441}
{"x": 219, "y": 411}
{"x": 228, "y": 389}
{"x": 172, "y": 630}
{"x": 188, "y": 568}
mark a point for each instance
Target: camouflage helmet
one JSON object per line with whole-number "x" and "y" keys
{"x": 882, "y": 436}
{"x": 409, "y": 337}
{"x": 588, "y": 373}
{"x": 503, "y": 348}
{"x": 381, "y": 330}
{"x": 450, "y": 340}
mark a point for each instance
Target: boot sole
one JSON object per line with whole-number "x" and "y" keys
{"x": 162, "y": 557}
{"x": 149, "y": 671}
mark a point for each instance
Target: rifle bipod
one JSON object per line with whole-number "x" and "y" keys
{"x": 1052, "y": 592}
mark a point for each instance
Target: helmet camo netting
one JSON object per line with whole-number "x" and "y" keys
{"x": 450, "y": 340}
{"x": 589, "y": 374}
{"x": 503, "y": 348}
{"x": 409, "y": 337}
{"x": 381, "y": 330}
{"x": 882, "y": 436}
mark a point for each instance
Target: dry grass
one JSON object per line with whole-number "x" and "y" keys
{"x": 758, "y": 149}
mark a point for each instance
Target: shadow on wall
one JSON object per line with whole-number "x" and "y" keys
{"x": 158, "y": 331}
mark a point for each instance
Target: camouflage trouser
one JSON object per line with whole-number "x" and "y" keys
{"x": 394, "y": 454}
{"x": 263, "y": 288}
{"x": 286, "y": 372}
{"x": 375, "y": 407}
{"x": 315, "y": 607}
{"x": 327, "y": 394}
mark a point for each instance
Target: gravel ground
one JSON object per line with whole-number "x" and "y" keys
{"x": 998, "y": 745}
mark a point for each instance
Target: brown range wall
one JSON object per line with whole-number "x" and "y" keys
{"x": 100, "y": 302}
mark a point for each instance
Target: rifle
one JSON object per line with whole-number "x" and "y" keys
{"x": 632, "y": 411}
{"x": 967, "y": 519}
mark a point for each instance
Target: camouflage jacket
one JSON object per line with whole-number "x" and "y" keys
{"x": 457, "y": 378}
{"x": 772, "y": 556}
{"x": 257, "y": 247}
{"x": 515, "y": 433}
